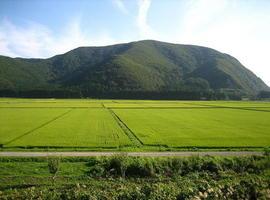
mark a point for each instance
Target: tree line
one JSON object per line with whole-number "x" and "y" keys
{"x": 155, "y": 95}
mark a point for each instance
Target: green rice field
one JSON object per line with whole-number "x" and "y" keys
{"x": 132, "y": 124}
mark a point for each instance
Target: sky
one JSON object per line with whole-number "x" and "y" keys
{"x": 44, "y": 28}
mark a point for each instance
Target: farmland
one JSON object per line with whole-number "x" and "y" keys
{"x": 132, "y": 124}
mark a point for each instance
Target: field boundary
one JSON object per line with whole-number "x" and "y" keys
{"x": 113, "y": 107}
{"x": 132, "y": 136}
{"x": 38, "y": 127}
{"x": 131, "y": 154}
{"x": 62, "y": 107}
{"x": 251, "y": 109}
{"x": 130, "y": 148}
{"x": 248, "y": 108}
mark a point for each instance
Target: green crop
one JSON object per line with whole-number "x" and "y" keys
{"x": 60, "y": 123}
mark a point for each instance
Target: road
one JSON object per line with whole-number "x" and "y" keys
{"x": 141, "y": 154}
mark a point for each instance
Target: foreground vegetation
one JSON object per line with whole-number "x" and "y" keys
{"x": 122, "y": 177}
{"x": 130, "y": 125}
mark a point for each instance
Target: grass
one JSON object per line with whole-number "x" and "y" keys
{"x": 51, "y": 104}
{"x": 78, "y": 128}
{"x": 17, "y": 122}
{"x": 132, "y": 124}
{"x": 198, "y": 127}
{"x": 151, "y": 104}
{"x": 40, "y": 169}
{"x": 248, "y": 104}
{"x": 261, "y": 109}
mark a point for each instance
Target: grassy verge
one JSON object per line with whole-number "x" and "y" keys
{"x": 144, "y": 148}
{"x": 121, "y": 177}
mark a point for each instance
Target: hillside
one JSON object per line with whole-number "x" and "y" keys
{"x": 137, "y": 66}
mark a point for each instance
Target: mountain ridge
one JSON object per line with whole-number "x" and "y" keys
{"x": 145, "y": 65}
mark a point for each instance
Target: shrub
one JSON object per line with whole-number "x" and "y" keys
{"x": 96, "y": 168}
{"x": 185, "y": 193}
{"x": 211, "y": 166}
{"x": 192, "y": 164}
{"x": 267, "y": 151}
{"x": 117, "y": 165}
{"x": 53, "y": 166}
{"x": 140, "y": 168}
{"x": 172, "y": 167}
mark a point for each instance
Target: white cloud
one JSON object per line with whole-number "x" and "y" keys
{"x": 145, "y": 31}
{"x": 4, "y": 50}
{"x": 121, "y": 6}
{"x": 36, "y": 40}
{"x": 230, "y": 27}
{"x": 202, "y": 13}
{"x": 18, "y": 41}
{"x": 225, "y": 25}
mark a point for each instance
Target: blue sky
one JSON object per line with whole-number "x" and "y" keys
{"x": 43, "y": 28}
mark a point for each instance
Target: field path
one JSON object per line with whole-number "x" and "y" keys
{"x": 133, "y": 138}
{"x": 140, "y": 154}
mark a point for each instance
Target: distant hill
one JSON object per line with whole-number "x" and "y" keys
{"x": 137, "y": 66}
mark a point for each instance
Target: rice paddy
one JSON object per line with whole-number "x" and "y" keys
{"x": 133, "y": 124}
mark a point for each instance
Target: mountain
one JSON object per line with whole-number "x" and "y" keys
{"x": 137, "y": 66}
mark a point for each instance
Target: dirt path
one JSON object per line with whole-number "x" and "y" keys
{"x": 141, "y": 154}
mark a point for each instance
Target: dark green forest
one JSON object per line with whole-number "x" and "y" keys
{"x": 143, "y": 69}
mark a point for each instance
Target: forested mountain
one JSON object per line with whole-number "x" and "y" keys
{"x": 143, "y": 66}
